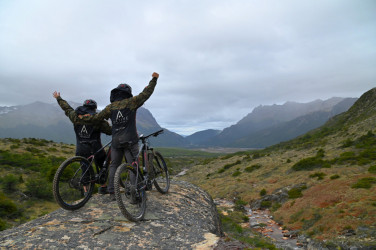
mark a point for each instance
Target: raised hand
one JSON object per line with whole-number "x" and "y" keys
{"x": 56, "y": 94}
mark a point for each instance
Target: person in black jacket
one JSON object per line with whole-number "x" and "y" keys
{"x": 122, "y": 112}
{"x": 88, "y": 134}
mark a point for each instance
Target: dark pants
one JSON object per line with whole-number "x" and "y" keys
{"x": 117, "y": 155}
{"x": 85, "y": 150}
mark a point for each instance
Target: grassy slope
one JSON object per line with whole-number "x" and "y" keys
{"x": 31, "y": 207}
{"x": 329, "y": 206}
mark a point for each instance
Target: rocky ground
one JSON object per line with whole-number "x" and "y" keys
{"x": 185, "y": 218}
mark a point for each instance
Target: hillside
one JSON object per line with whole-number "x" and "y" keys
{"x": 271, "y": 124}
{"x": 321, "y": 185}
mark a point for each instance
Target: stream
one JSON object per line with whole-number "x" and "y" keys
{"x": 262, "y": 222}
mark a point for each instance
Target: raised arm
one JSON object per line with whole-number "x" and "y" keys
{"x": 137, "y": 101}
{"x": 69, "y": 111}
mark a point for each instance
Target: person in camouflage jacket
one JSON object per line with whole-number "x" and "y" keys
{"x": 122, "y": 112}
{"x": 88, "y": 134}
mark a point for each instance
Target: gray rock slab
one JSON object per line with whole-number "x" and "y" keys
{"x": 185, "y": 218}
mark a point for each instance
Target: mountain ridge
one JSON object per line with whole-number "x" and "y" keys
{"x": 47, "y": 121}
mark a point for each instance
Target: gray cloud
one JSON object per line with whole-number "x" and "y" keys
{"x": 217, "y": 59}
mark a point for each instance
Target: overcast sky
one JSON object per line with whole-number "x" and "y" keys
{"x": 217, "y": 60}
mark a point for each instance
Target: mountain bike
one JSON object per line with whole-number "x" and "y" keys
{"x": 131, "y": 181}
{"x": 75, "y": 179}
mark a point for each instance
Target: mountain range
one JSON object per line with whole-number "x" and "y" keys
{"x": 264, "y": 126}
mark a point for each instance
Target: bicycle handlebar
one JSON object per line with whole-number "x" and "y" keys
{"x": 155, "y": 134}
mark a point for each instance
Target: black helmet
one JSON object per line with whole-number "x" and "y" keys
{"x": 90, "y": 104}
{"x": 122, "y": 91}
{"x": 125, "y": 87}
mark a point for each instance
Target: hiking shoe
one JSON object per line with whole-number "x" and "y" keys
{"x": 103, "y": 190}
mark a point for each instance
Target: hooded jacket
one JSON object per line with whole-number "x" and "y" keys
{"x": 86, "y": 132}
{"x": 122, "y": 112}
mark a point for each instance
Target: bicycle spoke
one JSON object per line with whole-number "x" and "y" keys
{"x": 132, "y": 198}
{"x": 73, "y": 183}
{"x": 162, "y": 178}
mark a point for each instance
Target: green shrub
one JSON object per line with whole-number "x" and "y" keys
{"x": 310, "y": 163}
{"x": 365, "y": 183}
{"x": 346, "y": 157}
{"x": 3, "y": 225}
{"x": 263, "y": 192}
{"x": 276, "y": 206}
{"x": 372, "y": 169}
{"x": 333, "y": 177}
{"x": 33, "y": 150}
{"x": 296, "y": 192}
{"x": 366, "y": 141}
{"x": 9, "y": 183}
{"x": 14, "y": 146}
{"x": 265, "y": 204}
{"x": 319, "y": 175}
{"x": 367, "y": 156}
{"x": 239, "y": 204}
{"x": 7, "y": 206}
{"x": 52, "y": 149}
{"x": 320, "y": 153}
{"x": 256, "y": 155}
{"x": 230, "y": 165}
{"x": 347, "y": 143}
{"x": 39, "y": 188}
{"x": 252, "y": 168}
{"x": 236, "y": 173}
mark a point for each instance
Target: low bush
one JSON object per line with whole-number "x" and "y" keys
{"x": 39, "y": 188}
{"x": 7, "y": 206}
{"x": 265, "y": 204}
{"x": 372, "y": 169}
{"x": 310, "y": 163}
{"x": 365, "y": 183}
{"x": 346, "y": 157}
{"x": 227, "y": 166}
{"x": 319, "y": 175}
{"x": 236, "y": 173}
{"x": 333, "y": 177}
{"x": 263, "y": 192}
{"x": 3, "y": 225}
{"x": 276, "y": 206}
{"x": 9, "y": 183}
{"x": 252, "y": 168}
{"x": 296, "y": 192}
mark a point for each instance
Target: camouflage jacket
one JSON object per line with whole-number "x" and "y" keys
{"x": 101, "y": 126}
{"x": 132, "y": 103}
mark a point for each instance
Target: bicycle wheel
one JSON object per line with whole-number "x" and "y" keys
{"x": 162, "y": 178}
{"x": 132, "y": 198}
{"x": 71, "y": 179}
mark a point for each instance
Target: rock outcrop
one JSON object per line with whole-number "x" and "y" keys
{"x": 185, "y": 218}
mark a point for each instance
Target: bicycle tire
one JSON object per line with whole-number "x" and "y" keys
{"x": 132, "y": 198}
{"x": 68, "y": 184}
{"x": 162, "y": 177}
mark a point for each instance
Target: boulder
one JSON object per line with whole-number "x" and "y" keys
{"x": 185, "y": 218}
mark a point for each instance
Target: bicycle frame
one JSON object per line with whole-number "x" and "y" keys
{"x": 143, "y": 151}
{"x": 91, "y": 158}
